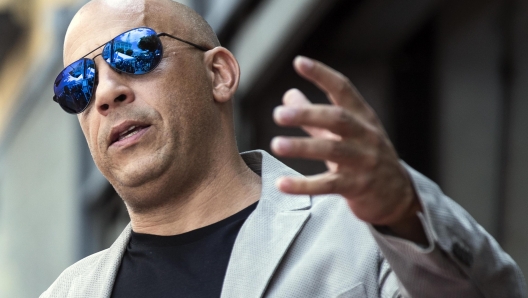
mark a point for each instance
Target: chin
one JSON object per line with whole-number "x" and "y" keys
{"x": 139, "y": 170}
{"x": 138, "y": 177}
{"x": 140, "y": 189}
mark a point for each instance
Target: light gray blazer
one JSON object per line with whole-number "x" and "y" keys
{"x": 313, "y": 246}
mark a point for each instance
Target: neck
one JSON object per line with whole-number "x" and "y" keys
{"x": 231, "y": 188}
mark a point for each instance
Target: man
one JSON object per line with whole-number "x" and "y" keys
{"x": 208, "y": 222}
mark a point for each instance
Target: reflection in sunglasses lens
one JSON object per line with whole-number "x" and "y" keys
{"x": 74, "y": 85}
{"x": 136, "y": 51}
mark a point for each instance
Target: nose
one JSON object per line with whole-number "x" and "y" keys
{"x": 112, "y": 91}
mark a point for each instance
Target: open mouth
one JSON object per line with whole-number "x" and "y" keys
{"x": 126, "y": 133}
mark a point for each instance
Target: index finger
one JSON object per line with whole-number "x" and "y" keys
{"x": 337, "y": 87}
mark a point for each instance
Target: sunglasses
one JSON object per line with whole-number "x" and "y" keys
{"x": 137, "y": 51}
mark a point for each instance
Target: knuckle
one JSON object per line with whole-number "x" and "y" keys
{"x": 296, "y": 146}
{"x": 344, "y": 86}
{"x": 338, "y": 151}
{"x": 371, "y": 160}
{"x": 330, "y": 185}
{"x": 303, "y": 114}
{"x": 341, "y": 115}
{"x": 364, "y": 182}
{"x": 302, "y": 185}
{"x": 307, "y": 148}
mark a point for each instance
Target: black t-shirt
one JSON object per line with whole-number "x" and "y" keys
{"x": 192, "y": 264}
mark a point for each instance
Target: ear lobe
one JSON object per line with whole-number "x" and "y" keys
{"x": 225, "y": 73}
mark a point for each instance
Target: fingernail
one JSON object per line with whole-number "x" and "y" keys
{"x": 280, "y": 145}
{"x": 295, "y": 98}
{"x": 304, "y": 62}
{"x": 284, "y": 183}
{"x": 283, "y": 113}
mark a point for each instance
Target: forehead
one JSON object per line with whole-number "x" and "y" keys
{"x": 100, "y": 21}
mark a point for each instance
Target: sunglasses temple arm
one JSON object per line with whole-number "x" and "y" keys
{"x": 95, "y": 50}
{"x": 187, "y": 42}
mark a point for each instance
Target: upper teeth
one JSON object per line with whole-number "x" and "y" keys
{"x": 128, "y": 133}
{"x": 128, "y": 130}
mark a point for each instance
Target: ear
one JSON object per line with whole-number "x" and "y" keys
{"x": 224, "y": 72}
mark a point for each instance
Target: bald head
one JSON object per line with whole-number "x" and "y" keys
{"x": 180, "y": 112}
{"x": 121, "y": 15}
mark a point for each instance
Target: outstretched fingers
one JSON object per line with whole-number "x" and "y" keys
{"x": 294, "y": 98}
{"x": 338, "y": 88}
{"x": 348, "y": 153}
{"x": 332, "y": 118}
{"x": 326, "y": 183}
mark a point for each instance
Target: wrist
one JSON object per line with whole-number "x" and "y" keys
{"x": 409, "y": 226}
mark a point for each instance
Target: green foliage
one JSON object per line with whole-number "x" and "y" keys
{"x": 148, "y": 43}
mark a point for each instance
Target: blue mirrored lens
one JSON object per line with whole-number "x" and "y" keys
{"x": 137, "y": 51}
{"x": 74, "y": 86}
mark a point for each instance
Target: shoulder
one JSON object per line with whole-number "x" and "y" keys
{"x": 92, "y": 276}
{"x": 62, "y": 284}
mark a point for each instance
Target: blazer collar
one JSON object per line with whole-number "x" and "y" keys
{"x": 270, "y": 169}
{"x": 115, "y": 254}
{"x": 260, "y": 245}
{"x": 267, "y": 233}
{"x": 100, "y": 276}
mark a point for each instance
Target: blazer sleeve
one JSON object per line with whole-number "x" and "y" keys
{"x": 462, "y": 259}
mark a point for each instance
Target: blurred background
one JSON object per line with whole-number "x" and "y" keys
{"x": 449, "y": 79}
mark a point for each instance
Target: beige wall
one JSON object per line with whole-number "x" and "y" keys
{"x": 36, "y": 16}
{"x": 38, "y": 210}
{"x": 39, "y": 169}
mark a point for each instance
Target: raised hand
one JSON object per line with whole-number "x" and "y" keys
{"x": 363, "y": 166}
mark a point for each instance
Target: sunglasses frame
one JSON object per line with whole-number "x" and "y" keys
{"x": 158, "y": 35}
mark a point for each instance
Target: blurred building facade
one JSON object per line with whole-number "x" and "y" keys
{"x": 447, "y": 79}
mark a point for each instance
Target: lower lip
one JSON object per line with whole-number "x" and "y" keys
{"x": 130, "y": 140}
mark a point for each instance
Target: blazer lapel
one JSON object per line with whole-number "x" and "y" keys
{"x": 267, "y": 233}
{"x": 99, "y": 279}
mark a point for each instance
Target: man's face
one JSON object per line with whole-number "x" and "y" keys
{"x": 143, "y": 128}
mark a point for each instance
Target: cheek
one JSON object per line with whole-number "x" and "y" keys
{"x": 183, "y": 75}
